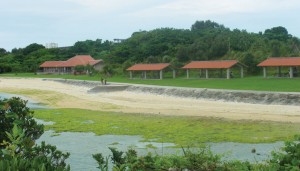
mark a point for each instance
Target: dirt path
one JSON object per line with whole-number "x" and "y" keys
{"x": 61, "y": 95}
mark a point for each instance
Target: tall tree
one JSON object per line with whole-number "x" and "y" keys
{"x": 31, "y": 48}
{"x": 277, "y": 33}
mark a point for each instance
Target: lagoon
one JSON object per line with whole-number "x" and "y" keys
{"x": 82, "y": 145}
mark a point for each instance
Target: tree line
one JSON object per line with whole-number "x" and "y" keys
{"x": 205, "y": 40}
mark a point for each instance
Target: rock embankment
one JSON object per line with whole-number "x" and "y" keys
{"x": 255, "y": 97}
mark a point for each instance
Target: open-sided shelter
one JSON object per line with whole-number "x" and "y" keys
{"x": 144, "y": 68}
{"x": 68, "y": 66}
{"x": 291, "y": 62}
{"x": 220, "y": 64}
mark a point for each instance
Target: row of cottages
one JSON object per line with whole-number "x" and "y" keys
{"x": 68, "y": 67}
{"x": 202, "y": 66}
{"x": 284, "y": 67}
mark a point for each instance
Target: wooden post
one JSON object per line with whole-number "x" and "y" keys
{"x": 174, "y": 73}
{"x": 242, "y": 72}
{"x": 265, "y": 72}
{"x": 206, "y": 73}
{"x": 291, "y": 72}
{"x": 130, "y": 74}
{"x": 228, "y": 73}
{"x": 145, "y": 74}
{"x": 161, "y": 74}
{"x": 187, "y": 74}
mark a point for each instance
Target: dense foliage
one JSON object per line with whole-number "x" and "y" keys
{"x": 18, "y": 134}
{"x": 206, "y": 40}
{"x": 15, "y": 112}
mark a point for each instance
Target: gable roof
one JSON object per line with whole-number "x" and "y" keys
{"x": 211, "y": 64}
{"x": 72, "y": 62}
{"x": 280, "y": 61}
{"x": 148, "y": 67}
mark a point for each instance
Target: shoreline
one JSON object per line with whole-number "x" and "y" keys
{"x": 62, "y": 95}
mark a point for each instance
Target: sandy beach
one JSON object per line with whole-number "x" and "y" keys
{"x": 60, "y": 95}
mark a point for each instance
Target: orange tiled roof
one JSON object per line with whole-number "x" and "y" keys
{"x": 148, "y": 67}
{"x": 52, "y": 64}
{"x": 210, "y": 64}
{"x": 280, "y": 61}
{"x": 72, "y": 62}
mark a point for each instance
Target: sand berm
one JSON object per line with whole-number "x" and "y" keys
{"x": 159, "y": 100}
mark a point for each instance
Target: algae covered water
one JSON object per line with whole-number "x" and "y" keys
{"x": 83, "y": 145}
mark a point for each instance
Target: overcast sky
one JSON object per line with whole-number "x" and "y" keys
{"x": 66, "y": 21}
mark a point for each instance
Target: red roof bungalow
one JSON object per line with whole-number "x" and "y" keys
{"x": 69, "y": 65}
{"x": 159, "y": 67}
{"x": 209, "y": 65}
{"x": 291, "y": 62}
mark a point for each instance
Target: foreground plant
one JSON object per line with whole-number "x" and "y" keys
{"x": 289, "y": 159}
{"x": 19, "y": 132}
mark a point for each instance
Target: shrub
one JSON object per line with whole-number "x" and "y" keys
{"x": 18, "y": 134}
{"x": 289, "y": 159}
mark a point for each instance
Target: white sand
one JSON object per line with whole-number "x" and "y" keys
{"x": 61, "y": 95}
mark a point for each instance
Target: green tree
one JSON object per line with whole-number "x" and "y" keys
{"x": 203, "y": 26}
{"x": 15, "y": 112}
{"x": 250, "y": 62}
{"x": 3, "y": 52}
{"x": 18, "y": 134}
{"x": 277, "y": 33}
{"x": 31, "y": 48}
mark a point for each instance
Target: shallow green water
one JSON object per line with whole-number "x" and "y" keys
{"x": 83, "y": 145}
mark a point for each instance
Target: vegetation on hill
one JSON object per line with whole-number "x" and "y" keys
{"x": 206, "y": 40}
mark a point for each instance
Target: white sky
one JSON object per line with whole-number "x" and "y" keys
{"x": 66, "y": 21}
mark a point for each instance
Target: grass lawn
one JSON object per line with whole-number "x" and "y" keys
{"x": 247, "y": 83}
{"x": 184, "y": 131}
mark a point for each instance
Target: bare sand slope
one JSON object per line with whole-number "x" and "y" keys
{"x": 62, "y": 95}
